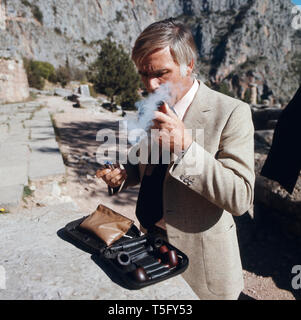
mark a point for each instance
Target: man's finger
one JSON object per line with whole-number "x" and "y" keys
{"x": 167, "y": 110}
{"x": 102, "y": 172}
{"x": 113, "y": 173}
{"x": 117, "y": 178}
{"x": 162, "y": 117}
{"x": 156, "y": 124}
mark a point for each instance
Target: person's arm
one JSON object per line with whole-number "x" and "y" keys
{"x": 226, "y": 179}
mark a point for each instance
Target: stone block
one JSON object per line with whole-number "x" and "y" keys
{"x": 84, "y": 90}
{"x": 62, "y": 92}
{"x": 10, "y": 196}
{"x": 13, "y": 175}
{"x": 13, "y": 154}
{"x": 87, "y": 102}
{"x": 45, "y": 160}
{"x": 38, "y": 123}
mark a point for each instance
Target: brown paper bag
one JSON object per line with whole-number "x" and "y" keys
{"x": 107, "y": 224}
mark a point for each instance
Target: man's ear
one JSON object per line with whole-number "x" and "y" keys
{"x": 190, "y": 67}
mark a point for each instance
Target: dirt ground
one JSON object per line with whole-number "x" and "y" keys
{"x": 268, "y": 253}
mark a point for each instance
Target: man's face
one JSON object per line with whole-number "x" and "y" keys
{"x": 159, "y": 68}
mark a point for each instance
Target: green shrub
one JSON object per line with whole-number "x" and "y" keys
{"x": 113, "y": 74}
{"x": 38, "y": 71}
{"x": 63, "y": 75}
{"x": 224, "y": 88}
{"x": 46, "y": 69}
{"x": 26, "y": 3}
{"x": 37, "y": 13}
{"x": 92, "y": 91}
{"x": 77, "y": 74}
{"x": 119, "y": 16}
{"x": 57, "y": 31}
{"x": 34, "y": 76}
{"x": 247, "y": 97}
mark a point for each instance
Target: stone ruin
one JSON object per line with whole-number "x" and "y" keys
{"x": 13, "y": 79}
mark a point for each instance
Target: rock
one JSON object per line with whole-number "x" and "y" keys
{"x": 283, "y": 206}
{"x": 62, "y": 92}
{"x": 87, "y": 102}
{"x": 84, "y": 90}
{"x": 264, "y": 136}
{"x": 56, "y": 190}
{"x": 13, "y": 80}
{"x": 42, "y": 92}
{"x": 265, "y": 118}
{"x": 10, "y": 196}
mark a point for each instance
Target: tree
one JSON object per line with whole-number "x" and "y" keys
{"x": 113, "y": 74}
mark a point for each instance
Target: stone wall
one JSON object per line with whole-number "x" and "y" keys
{"x": 13, "y": 81}
{"x": 2, "y": 15}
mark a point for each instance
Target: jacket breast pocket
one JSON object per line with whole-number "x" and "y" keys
{"x": 222, "y": 262}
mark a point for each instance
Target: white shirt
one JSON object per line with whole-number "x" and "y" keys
{"x": 183, "y": 104}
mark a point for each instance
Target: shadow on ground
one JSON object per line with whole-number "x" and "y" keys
{"x": 267, "y": 249}
{"x": 80, "y": 139}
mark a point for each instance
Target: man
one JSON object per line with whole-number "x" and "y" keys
{"x": 197, "y": 205}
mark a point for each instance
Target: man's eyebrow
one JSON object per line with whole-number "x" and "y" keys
{"x": 153, "y": 72}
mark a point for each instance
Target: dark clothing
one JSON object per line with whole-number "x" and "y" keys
{"x": 283, "y": 163}
{"x": 149, "y": 208}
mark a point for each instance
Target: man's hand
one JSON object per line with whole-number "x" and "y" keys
{"x": 112, "y": 177}
{"x": 172, "y": 134}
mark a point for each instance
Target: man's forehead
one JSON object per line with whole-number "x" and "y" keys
{"x": 157, "y": 61}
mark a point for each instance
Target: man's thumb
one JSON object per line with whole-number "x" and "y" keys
{"x": 167, "y": 110}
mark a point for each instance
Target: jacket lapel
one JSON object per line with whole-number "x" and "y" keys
{"x": 196, "y": 113}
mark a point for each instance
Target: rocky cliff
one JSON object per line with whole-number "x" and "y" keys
{"x": 239, "y": 41}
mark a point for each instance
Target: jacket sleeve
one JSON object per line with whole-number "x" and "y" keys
{"x": 227, "y": 178}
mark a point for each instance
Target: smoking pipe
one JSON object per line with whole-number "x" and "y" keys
{"x": 128, "y": 244}
{"x": 124, "y": 258}
{"x": 110, "y": 253}
{"x": 148, "y": 262}
{"x": 160, "y": 103}
{"x": 140, "y": 274}
{"x": 156, "y": 242}
{"x": 168, "y": 256}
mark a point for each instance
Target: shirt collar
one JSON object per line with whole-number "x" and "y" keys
{"x": 182, "y": 105}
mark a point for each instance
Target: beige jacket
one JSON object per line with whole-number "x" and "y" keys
{"x": 199, "y": 204}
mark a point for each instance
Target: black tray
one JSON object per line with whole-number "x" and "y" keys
{"x": 91, "y": 243}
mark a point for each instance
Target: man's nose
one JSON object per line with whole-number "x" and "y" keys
{"x": 152, "y": 84}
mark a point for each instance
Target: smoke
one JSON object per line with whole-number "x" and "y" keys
{"x": 146, "y": 112}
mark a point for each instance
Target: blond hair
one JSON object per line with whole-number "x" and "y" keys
{"x": 166, "y": 33}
